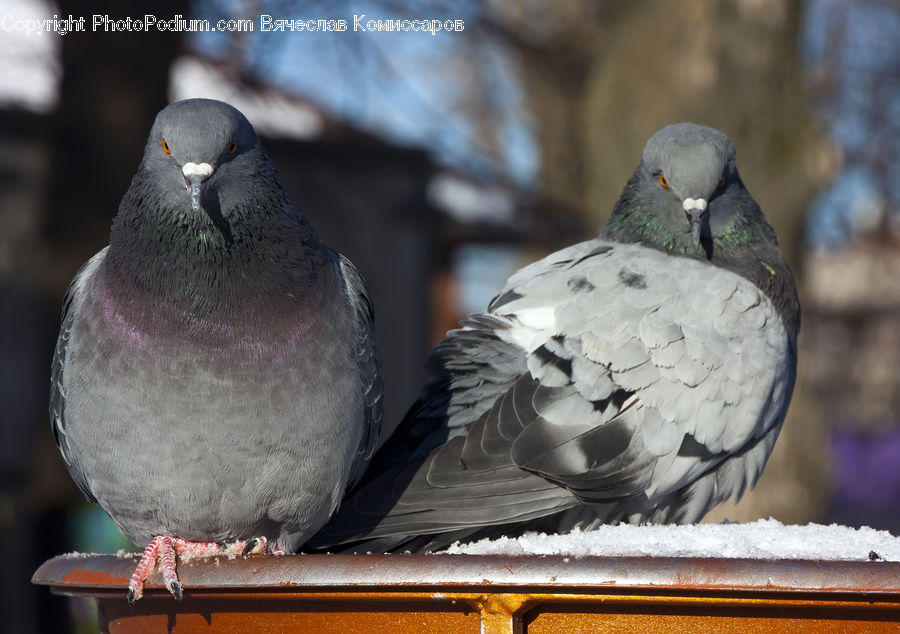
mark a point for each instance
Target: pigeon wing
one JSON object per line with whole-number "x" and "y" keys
{"x": 57, "y": 373}
{"x": 624, "y": 375}
{"x": 653, "y": 371}
{"x": 369, "y": 366}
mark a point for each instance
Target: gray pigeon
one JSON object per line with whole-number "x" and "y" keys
{"x": 642, "y": 376}
{"x": 216, "y": 379}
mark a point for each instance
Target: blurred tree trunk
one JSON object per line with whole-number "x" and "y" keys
{"x": 556, "y": 47}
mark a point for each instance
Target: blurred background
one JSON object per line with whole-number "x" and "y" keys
{"x": 440, "y": 163}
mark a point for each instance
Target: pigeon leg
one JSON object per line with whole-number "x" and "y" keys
{"x": 164, "y": 549}
{"x": 167, "y": 566}
{"x": 145, "y": 567}
{"x": 187, "y": 549}
{"x": 140, "y": 574}
{"x": 255, "y": 546}
{"x": 263, "y": 546}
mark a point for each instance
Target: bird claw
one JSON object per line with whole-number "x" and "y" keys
{"x": 174, "y": 586}
{"x": 162, "y": 549}
{"x": 259, "y": 546}
{"x": 253, "y": 544}
{"x": 144, "y": 568}
{"x": 165, "y": 550}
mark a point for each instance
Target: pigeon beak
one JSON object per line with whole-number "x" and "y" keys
{"x": 194, "y": 175}
{"x": 695, "y": 208}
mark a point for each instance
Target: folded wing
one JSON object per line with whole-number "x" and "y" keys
{"x": 601, "y": 375}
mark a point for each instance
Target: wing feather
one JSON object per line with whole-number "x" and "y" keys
{"x": 369, "y": 366}
{"x": 602, "y": 374}
{"x": 70, "y": 313}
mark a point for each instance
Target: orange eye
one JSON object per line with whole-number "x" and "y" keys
{"x": 232, "y": 148}
{"x": 662, "y": 181}
{"x": 165, "y": 147}
{"x": 722, "y": 182}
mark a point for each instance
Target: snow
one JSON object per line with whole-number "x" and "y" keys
{"x": 79, "y": 555}
{"x": 763, "y": 539}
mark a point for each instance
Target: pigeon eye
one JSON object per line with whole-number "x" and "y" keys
{"x": 232, "y": 148}
{"x": 165, "y": 147}
{"x": 722, "y": 182}
{"x": 663, "y": 182}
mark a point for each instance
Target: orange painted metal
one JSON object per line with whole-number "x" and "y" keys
{"x": 492, "y": 594}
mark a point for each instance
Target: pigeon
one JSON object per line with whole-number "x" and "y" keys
{"x": 216, "y": 385}
{"x": 642, "y": 376}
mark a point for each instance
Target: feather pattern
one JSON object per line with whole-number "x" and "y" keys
{"x": 640, "y": 376}
{"x": 675, "y": 401}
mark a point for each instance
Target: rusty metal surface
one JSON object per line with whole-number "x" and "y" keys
{"x": 488, "y": 594}
{"x": 311, "y": 572}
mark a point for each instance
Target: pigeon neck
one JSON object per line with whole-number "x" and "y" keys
{"x": 189, "y": 262}
{"x": 745, "y": 245}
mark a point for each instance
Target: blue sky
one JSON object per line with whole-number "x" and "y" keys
{"x": 400, "y": 84}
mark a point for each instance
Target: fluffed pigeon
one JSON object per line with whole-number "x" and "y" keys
{"x": 642, "y": 376}
{"x": 216, "y": 379}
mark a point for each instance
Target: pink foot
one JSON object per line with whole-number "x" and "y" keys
{"x": 163, "y": 549}
{"x": 255, "y": 546}
{"x": 166, "y": 549}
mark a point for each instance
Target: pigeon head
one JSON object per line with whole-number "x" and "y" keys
{"x": 206, "y": 207}
{"x": 204, "y": 182}
{"x": 686, "y": 195}
{"x": 198, "y": 147}
{"x": 691, "y": 164}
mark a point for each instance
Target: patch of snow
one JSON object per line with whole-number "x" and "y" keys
{"x": 763, "y": 539}
{"x": 78, "y": 555}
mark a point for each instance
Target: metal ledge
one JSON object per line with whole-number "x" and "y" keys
{"x": 487, "y": 593}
